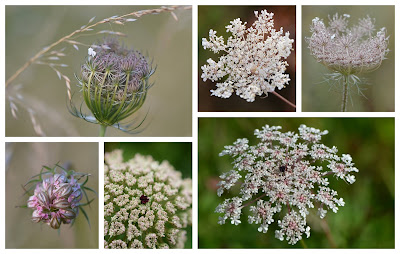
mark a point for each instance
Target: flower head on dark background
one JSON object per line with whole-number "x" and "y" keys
{"x": 254, "y": 59}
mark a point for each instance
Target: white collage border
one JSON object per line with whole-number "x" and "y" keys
{"x": 195, "y": 116}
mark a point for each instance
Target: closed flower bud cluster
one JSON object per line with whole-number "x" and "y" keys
{"x": 56, "y": 200}
{"x": 282, "y": 178}
{"x": 114, "y": 70}
{"x": 348, "y": 50}
{"x": 252, "y": 61}
{"x": 114, "y": 82}
{"x": 146, "y": 204}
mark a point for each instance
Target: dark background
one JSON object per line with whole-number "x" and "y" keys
{"x": 216, "y": 18}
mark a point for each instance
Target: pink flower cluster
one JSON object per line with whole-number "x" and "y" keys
{"x": 286, "y": 173}
{"x": 56, "y": 200}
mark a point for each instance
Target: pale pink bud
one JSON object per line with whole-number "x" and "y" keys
{"x": 61, "y": 203}
{"x": 32, "y": 202}
{"x": 36, "y": 216}
{"x": 76, "y": 196}
{"x": 43, "y": 199}
{"x": 55, "y": 222}
{"x": 59, "y": 178}
{"x": 67, "y": 213}
{"x": 50, "y": 191}
{"x": 64, "y": 190}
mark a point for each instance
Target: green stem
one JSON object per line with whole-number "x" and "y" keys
{"x": 327, "y": 230}
{"x": 102, "y": 131}
{"x": 303, "y": 243}
{"x": 345, "y": 93}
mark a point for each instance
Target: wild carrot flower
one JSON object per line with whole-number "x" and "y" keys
{"x": 252, "y": 61}
{"x": 57, "y": 196}
{"x": 146, "y": 204}
{"x": 282, "y": 178}
{"x": 114, "y": 83}
{"x": 347, "y": 51}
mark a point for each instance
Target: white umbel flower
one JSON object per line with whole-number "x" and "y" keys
{"x": 147, "y": 204}
{"x": 253, "y": 59}
{"x": 283, "y": 172}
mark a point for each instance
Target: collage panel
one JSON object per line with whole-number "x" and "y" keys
{"x": 296, "y": 183}
{"x": 314, "y": 178}
{"x": 51, "y": 192}
{"x": 148, "y": 195}
{"x": 94, "y": 73}
{"x": 348, "y": 58}
{"x": 247, "y": 58}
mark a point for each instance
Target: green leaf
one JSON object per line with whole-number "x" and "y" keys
{"x": 49, "y": 169}
{"x": 84, "y": 192}
{"x": 90, "y": 189}
{"x": 87, "y": 203}
{"x": 72, "y": 223}
{"x": 32, "y": 181}
{"x": 86, "y": 216}
{"x": 87, "y": 179}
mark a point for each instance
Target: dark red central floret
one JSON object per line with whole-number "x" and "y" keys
{"x": 144, "y": 199}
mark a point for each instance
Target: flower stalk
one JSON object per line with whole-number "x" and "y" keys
{"x": 102, "y": 131}
{"x": 345, "y": 92}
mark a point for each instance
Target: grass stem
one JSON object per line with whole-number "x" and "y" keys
{"x": 87, "y": 28}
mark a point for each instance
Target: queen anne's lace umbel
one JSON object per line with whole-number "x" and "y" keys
{"x": 285, "y": 172}
{"x": 348, "y": 50}
{"x": 146, "y": 204}
{"x": 252, "y": 61}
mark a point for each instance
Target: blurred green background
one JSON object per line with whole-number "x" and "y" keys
{"x": 179, "y": 155}
{"x": 167, "y": 41}
{"x": 24, "y": 160}
{"x": 379, "y": 84}
{"x": 367, "y": 219}
{"x": 216, "y": 18}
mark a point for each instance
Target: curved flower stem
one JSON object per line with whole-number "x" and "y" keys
{"x": 345, "y": 93}
{"x": 283, "y": 99}
{"x": 328, "y": 233}
{"x": 102, "y": 131}
{"x": 303, "y": 243}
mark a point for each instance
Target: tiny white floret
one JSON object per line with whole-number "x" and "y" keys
{"x": 91, "y": 52}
